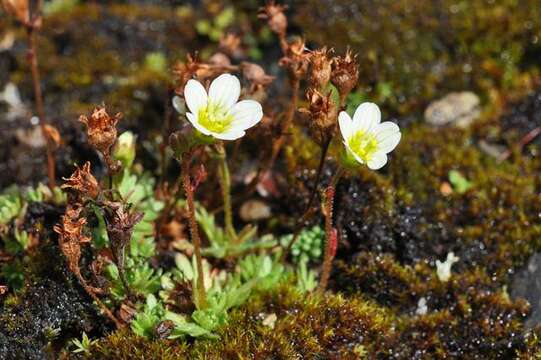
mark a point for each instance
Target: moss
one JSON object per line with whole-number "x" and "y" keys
{"x": 313, "y": 327}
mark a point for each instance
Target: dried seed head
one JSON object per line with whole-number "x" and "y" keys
{"x": 220, "y": 60}
{"x": 276, "y": 19}
{"x": 19, "y": 9}
{"x": 296, "y": 58}
{"x": 101, "y": 130}
{"x": 83, "y": 182}
{"x": 71, "y": 236}
{"x": 320, "y": 73}
{"x": 345, "y": 73}
{"x": 323, "y": 114}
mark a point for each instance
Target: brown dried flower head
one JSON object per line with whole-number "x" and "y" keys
{"x": 19, "y": 9}
{"x": 276, "y": 19}
{"x": 321, "y": 69}
{"x": 83, "y": 182}
{"x": 323, "y": 114}
{"x": 101, "y": 129}
{"x": 297, "y": 58}
{"x": 345, "y": 73}
{"x": 71, "y": 236}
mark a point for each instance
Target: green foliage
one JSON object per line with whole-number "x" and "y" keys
{"x": 308, "y": 246}
{"x": 59, "y": 6}
{"x": 306, "y": 278}
{"x": 13, "y": 273}
{"x": 156, "y": 62}
{"x": 459, "y": 182}
{"x": 265, "y": 271}
{"x": 11, "y": 206}
{"x": 146, "y": 321}
{"x": 84, "y": 345}
{"x": 221, "y": 245}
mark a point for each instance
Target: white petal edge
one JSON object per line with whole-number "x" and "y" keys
{"x": 225, "y": 90}
{"x": 193, "y": 120}
{"x": 246, "y": 113}
{"x": 195, "y": 96}
{"x": 345, "y": 124}
{"x": 385, "y": 129}
{"x": 389, "y": 143}
{"x": 359, "y": 160}
{"x": 377, "y": 161}
{"x": 366, "y": 117}
{"x": 232, "y": 134}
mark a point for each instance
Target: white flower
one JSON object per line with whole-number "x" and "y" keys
{"x": 218, "y": 113}
{"x": 444, "y": 268}
{"x": 365, "y": 138}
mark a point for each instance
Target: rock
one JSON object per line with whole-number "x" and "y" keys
{"x": 526, "y": 284}
{"x": 458, "y": 109}
{"x": 254, "y": 210}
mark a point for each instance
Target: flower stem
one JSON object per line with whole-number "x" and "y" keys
{"x": 308, "y": 210}
{"x": 225, "y": 184}
{"x": 194, "y": 230}
{"x": 33, "y": 59}
{"x": 330, "y": 232}
{"x": 102, "y": 306}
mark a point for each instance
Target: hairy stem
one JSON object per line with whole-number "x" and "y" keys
{"x": 194, "y": 230}
{"x": 330, "y": 234}
{"x": 225, "y": 184}
{"x": 33, "y": 59}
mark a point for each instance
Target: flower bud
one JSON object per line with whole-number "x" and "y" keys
{"x": 124, "y": 149}
{"x": 345, "y": 73}
{"x": 185, "y": 140}
{"x": 101, "y": 129}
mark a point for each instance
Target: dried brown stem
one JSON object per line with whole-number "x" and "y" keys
{"x": 194, "y": 230}
{"x": 33, "y": 59}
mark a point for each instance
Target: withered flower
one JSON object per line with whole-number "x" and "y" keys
{"x": 296, "y": 58}
{"x": 345, "y": 73}
{"x": 323, "y": 114}
{"x": 19, "y": 9}
{"x": 192, "y": 68}
{"x": 255, "y": 75}
{"x": 276, "y": 19}
{"x": 120, "y": 222}
{"x": 83, "y": 182}
{"x": 320, "y": 73}
{"x": 71, "y": 237}
{"x": 101, "y": 130}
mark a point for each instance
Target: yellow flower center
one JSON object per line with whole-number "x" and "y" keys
{"x": 215, "y": 117}
{"x": 363, "y": 144}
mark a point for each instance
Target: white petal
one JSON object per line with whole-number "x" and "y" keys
{"x": 366, "y": 116}
{"x": 377, "y": 161}
{"x": 179, "y": 104}
{"x": 345, "y": 123}
{"x": 193, "y": 120}
{"x": 247, "y": 113}
{"x": 232, "y": 134}
{"x": 359, "y": 160}
{"x": 225, "y": 90}
{"x": 389, "y": 143}
{"x": 195, "y": 96}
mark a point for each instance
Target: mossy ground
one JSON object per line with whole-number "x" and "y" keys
{"x": 394, "y": 224}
